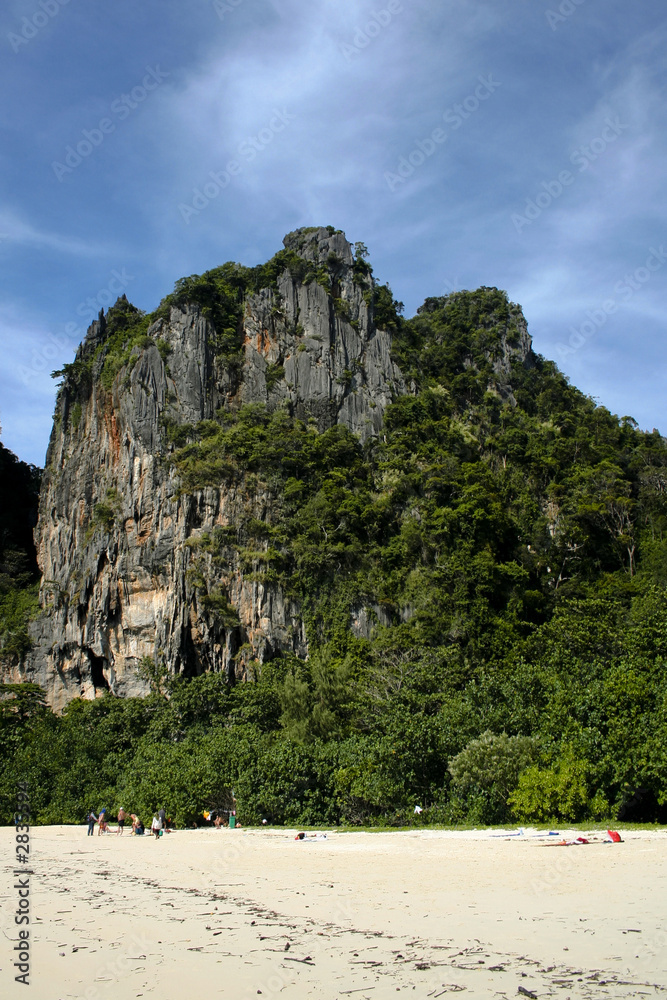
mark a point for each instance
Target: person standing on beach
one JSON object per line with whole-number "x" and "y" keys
{"x": 121, "y": 821}
{"x": 102, "y": 820}
{"x": 162, "y": 816}
{"x": 92, "y": 820}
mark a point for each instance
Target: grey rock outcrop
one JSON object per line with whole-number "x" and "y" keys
{"x": 114, "y": 536}
{"x": 129, "y": 568}
{"x": 334, "y": 364}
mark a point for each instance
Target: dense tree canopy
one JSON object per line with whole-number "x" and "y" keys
{"x": 507, "y": 538}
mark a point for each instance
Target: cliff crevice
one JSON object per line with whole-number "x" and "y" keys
{"x": 129, "y": 568}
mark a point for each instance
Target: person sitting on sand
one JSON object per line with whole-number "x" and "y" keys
{"x": 121, "y": 821}
{"x": 135, "y": 822}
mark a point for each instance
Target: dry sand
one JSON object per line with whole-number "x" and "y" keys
{"x": 425, "y": 913}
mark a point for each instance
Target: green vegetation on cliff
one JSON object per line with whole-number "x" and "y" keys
{"x": 220, "y": 293}
{"x": 501, "y": 550}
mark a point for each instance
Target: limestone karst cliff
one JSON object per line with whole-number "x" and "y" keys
{"x": 123, "y": 538}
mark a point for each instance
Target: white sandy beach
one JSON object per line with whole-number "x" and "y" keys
{"x": 246, "y": 913}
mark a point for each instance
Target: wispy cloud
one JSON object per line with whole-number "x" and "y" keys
{"x": 353, "y": 120}
{"x": 18, "y": 232}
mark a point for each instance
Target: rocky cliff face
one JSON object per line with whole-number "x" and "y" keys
{"x": 113, "y": 528}
{"x": 115, "y": 534}
{"x": 336, "y": 365}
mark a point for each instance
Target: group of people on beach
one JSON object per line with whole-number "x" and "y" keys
{"x": 161, "y": 823}
{"x": 219, "y": 819}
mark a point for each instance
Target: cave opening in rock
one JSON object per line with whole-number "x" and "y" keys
{"x": 97, "y": 665}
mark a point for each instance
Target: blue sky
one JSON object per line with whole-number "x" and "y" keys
{"x": 516, "y": 143}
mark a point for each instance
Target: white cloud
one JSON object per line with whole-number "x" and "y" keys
{"x": 17, "y": 231}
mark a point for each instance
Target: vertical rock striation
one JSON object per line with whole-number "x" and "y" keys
{"x": 129, "y": 569}
{"x": 115, "y": 535}
{"x": 334, "y": 364}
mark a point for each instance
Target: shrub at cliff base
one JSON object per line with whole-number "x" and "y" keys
{"x": 486, "y": 773}
{"x": 566, "y": 792}
{"x": 593, "y": 738}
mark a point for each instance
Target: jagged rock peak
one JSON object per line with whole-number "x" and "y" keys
{"x": 317, "y": 243}
{"x": 312, "y": 343}
{"x": 121, "y": 540}
{"x": 139, "y": 559}
{"x": 491, "y": 309}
